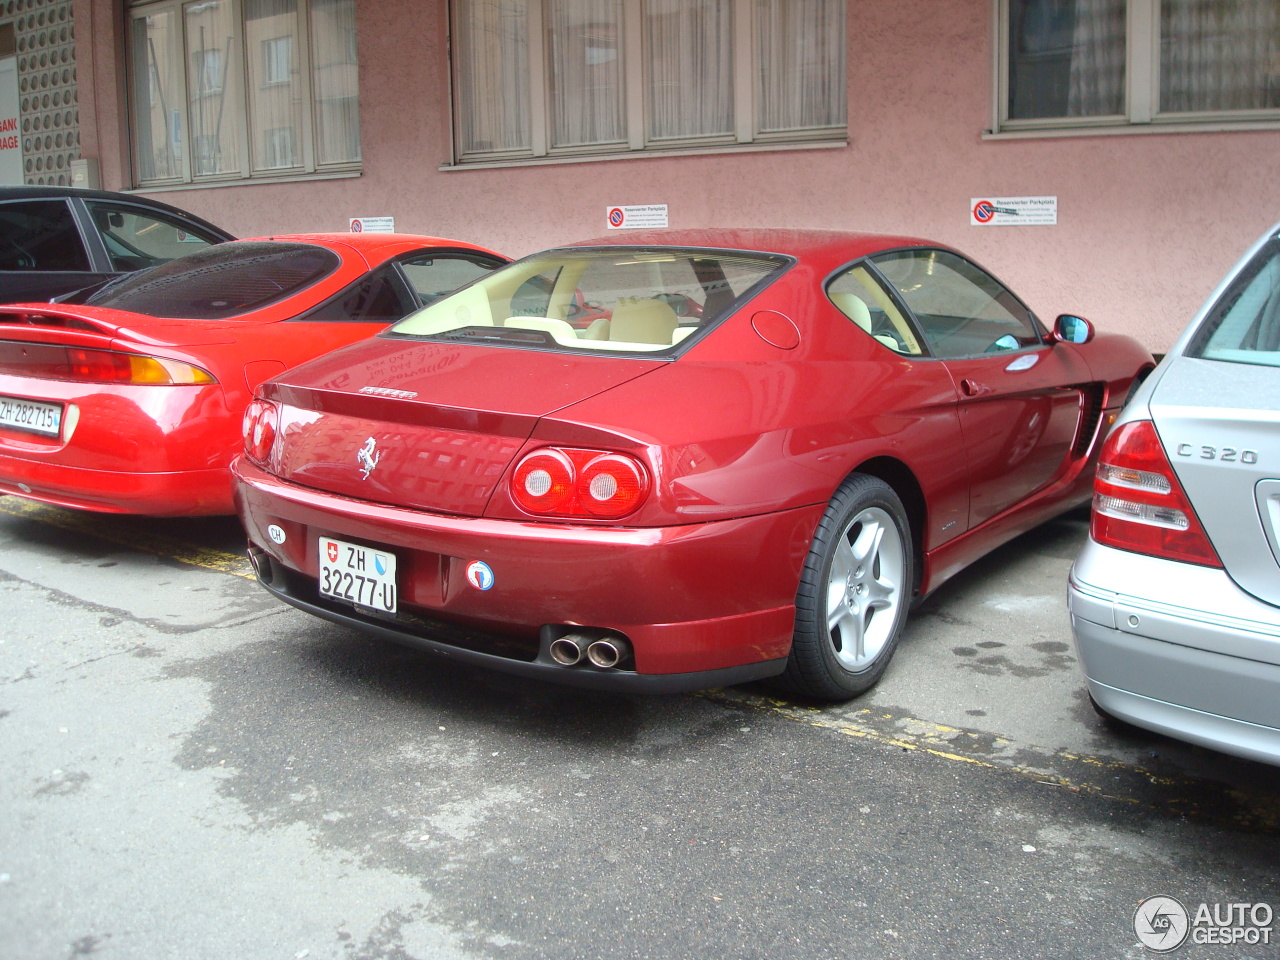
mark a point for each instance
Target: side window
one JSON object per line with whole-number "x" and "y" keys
{"x": 135, "y": 239}
{"x": 377, "y": 297}
{"x": 863, "y": 300}
{"x": 963, "y": 311}
{"x": 40, "y": 235}
{"x": 433, "y": 275}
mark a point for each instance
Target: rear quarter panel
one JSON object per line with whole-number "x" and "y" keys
{"x": 737, "y": 426}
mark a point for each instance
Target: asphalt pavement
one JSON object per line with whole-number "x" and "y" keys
{"x": 194, "y": 770}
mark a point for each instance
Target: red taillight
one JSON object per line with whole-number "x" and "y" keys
{"x": 49, "y": 361}
{"x": 99, "y": 365}
{"x": 260, "y": 420}
{"x": 570, "y": 482}
{"x": 1138, "y": 503}
{"x": 543, "y": 482}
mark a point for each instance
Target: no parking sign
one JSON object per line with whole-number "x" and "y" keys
{"x": 636, "y": 216}
{"x": 372, "y": 224}
{"x": 1013, "y": 211}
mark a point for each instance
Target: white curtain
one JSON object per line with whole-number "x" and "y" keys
{"x": 334, "y": 81}
{"x": 213, "y": 87}
{"x": 802, "y": 57}
{"x": 159, "y": 137}
{"x": 1219, "y": 55}
{"x": 493, "y": 75}
{"x": 584, "y": 43}
{"x": 690, "y": 59}
{"x": 1097, "y": 59}
{"x": 271, "y": 33}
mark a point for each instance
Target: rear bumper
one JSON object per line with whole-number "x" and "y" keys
{"x": 702, "y": 605}
{"x": 541, "y": 668}
{"x": 137, "y": 449}
{"x": 182, "y": 493}
{"x": 1208, "y": 675}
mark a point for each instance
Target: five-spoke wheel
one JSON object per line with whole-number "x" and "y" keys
{"x": 854, "y": 592}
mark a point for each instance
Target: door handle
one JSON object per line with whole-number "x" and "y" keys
{"x": 972, "y": 388}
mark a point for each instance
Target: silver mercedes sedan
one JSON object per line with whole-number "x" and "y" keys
{"x": 1175, "y": 599}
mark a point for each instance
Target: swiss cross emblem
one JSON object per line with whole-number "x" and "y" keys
{"x": 332, "y": 549}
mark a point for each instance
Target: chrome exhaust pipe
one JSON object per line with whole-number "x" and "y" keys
{"x": 260, "y": 563}
{"x": 569, "y": 650}
{"x": 609, "y": 651}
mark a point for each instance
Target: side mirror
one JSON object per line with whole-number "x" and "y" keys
{"x": 1071, "y": 329}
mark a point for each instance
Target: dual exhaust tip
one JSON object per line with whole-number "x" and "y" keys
{"x": 604, "y": 652}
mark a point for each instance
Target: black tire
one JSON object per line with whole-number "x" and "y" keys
{"x": 855, "y": 589}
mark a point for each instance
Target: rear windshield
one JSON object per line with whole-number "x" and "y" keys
{"x": 615, "y": 299}
{"x": 1244, "y": 326}
{"x": 220, "y": 281}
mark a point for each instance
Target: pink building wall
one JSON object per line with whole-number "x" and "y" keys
{"x": 1147, "y": 224}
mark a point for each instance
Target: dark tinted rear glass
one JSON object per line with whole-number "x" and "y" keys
{"x": 40, "y": 235}
{"x": 221, "y": 281}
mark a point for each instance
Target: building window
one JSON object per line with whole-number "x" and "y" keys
{"x": 547, "y": 78}
{"x": 1069, "y": 63}
{"x": 277, "y": 59}
{"x": 235, "y": 89}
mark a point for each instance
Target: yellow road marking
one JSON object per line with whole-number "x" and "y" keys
{"x": 128, "y": 532}
{"x": 1257, "y": 810}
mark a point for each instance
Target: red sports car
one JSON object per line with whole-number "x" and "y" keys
{"x": 768, "y": 444}
{"x": 130, "y": 399}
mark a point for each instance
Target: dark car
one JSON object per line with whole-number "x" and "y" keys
{"x": 57, "y": 239}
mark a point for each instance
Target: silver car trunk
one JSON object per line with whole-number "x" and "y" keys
{"x": 1219, "y": 423}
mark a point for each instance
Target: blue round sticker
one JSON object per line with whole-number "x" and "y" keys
{"x": 479, "y": 575}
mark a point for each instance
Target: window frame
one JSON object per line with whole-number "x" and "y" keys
{"x": 928, "y": 336}
{"x": 928, "y": 346}
{"x": 91, "y": 262}
{"x": 634, "y": 45}
{"x": 307, "y": 165}
{"x": 1141, "y": 113}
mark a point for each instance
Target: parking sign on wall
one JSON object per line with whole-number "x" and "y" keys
{"x": 636, "y": 216}
{"x": 1013, "y": 211}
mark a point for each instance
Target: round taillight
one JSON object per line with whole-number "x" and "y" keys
{"x": 611, "y": 486}
{"x": 543, "y": 481}
{"x": 260, "y": 419}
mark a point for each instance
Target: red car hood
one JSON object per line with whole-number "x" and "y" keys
{"x": 424, "y": 424}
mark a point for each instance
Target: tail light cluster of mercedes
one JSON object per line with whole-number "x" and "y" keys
{"x": 677, "y": 460}
{"x": 1175, "y": 599}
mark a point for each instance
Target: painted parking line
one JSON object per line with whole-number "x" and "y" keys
{"x": 1106, "y": 778}
{"x": 127, "y": 533}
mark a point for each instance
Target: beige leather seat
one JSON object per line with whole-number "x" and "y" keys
{"x": 856, "y": 309}
{"x": 853, "y": 307}
{"x": 642, "y": 321}
{"x": 599, "y": 330}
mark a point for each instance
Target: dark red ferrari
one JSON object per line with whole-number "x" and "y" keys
{"x": 129, "y": 397}
{"x": 759, "y": 450}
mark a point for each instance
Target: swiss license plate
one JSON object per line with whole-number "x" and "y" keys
{"x": 31, "y": 416}
{"x": 358, "y": 575}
